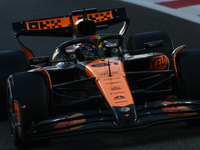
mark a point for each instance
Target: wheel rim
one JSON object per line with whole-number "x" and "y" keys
{"x": 10, "y": 116}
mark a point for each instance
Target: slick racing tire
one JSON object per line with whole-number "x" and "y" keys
{"x": 28, "y": 102}
{"x": 138, "y": 41}
{"x": 10, "y": 62}
{"x": 189, "y": 73}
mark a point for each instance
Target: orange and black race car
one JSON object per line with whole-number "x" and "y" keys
{"x": 96, "y": 82}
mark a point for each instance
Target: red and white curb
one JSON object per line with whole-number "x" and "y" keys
{"x": 185, "y": 9}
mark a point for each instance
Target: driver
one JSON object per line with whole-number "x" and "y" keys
{"x": 84, "y": 51}
{"x": 88, "y": 51}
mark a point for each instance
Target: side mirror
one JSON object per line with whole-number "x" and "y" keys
{"x": 154, "y": 44}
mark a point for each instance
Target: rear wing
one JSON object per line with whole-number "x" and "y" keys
{"x": 63, "y": 26}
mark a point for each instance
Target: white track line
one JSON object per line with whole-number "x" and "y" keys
{"x": 167, "y": 10}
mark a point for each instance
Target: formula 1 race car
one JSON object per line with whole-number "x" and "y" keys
{"x": 96, "y": 82}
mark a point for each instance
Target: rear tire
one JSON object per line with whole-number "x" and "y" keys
{"x": 30, "y": 91}
{"x": 10, "y": 62}
{"x": 137, "y": 42}
{"x": 188, "y": 63}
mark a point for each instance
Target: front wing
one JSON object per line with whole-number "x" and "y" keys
{"x": 102, "y": 120}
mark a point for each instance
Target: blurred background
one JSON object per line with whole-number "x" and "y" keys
{"x": 170, "y": 136}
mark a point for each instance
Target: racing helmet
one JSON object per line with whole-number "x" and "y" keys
{"x": 89, "y": 51}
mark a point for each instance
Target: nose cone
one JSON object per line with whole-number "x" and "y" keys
{"x": 111, "y": 81}
{"x": 125, "y": 116}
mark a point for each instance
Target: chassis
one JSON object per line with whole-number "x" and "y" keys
{"x": 144, "y": 83}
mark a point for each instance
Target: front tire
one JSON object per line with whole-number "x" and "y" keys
{"x": 30, "y": 92}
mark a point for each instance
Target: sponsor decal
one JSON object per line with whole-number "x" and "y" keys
{"x": 114, "y": 50}
{"x": 96, "y": 17}
{"x": 100, "y": 16}
{"x": 104, "y": 64}
{"x": 114, "y": 78}
{"x": 124, "y": 109}
{"x": 121, "y": 92}
{"x": 121, "y": 102}
{"x": 115, "y": 88}
{"x": 107, "y": 73}
{"x": 113, "y": 82}
{"x": 48, "y": 24}
{"x": 158, "y": 63}
{"x": 67, "y": 123}
{"x": 66, "y": 22}
{"x": 72, "y": 56}
{"x": 100, "y": 65}
{"x": 178, "y": 108}
{"x": 119, "y": 97}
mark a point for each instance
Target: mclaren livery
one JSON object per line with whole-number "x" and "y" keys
{"x": 96, "y": 82}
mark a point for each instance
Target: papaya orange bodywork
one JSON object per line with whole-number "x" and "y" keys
{"x": 48, "y": 24}
{"x": 28, "y": 52}
{"x": 158, "y": 63}
{"x": 174, "y": 58}
{"x": 114, "y": 87}
{"x": 47, "y": 74}
{"x": 178, "y": 108}
{"x": 17, "y": 112}
{"x": 70, "y": 123}
{"x": 62, "y": 22}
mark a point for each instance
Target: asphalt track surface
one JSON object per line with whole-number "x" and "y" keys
{"x": 166, "y": 136}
